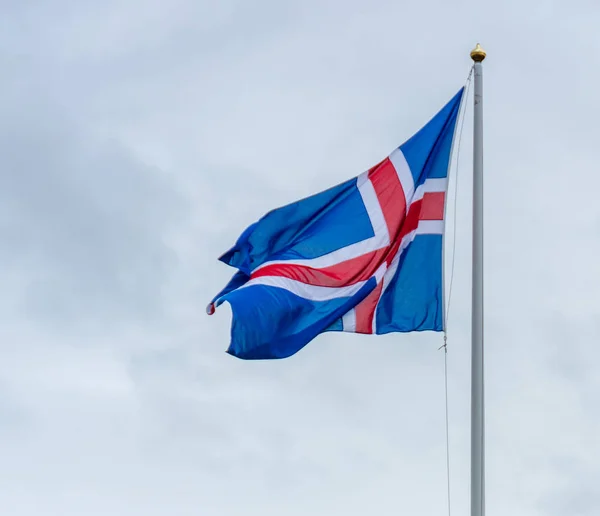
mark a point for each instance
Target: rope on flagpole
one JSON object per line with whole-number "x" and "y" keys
{"x": 447, "y": 419}
{"x": 447, "y": 311}
{"x": 462, "y": 124}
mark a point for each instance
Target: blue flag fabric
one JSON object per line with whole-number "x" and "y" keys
{"x": 364, "y": 256}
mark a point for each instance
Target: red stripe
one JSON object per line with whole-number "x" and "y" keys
{"x": 341, "y": 274}
{"x": 410, "y": 224}
{"x": 390, "y": 195}
{"x": 365, "y": 310}
{"x": 433, "y": 206}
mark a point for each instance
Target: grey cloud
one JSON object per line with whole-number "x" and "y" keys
{"x": 575, "y": 490}
{"x": 83, "y": 217}
{"x": 137, "y": 140}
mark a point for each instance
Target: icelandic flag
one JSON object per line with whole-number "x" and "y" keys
{"x": 364, "y": 256}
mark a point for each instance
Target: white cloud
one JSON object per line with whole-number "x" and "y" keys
{"x": 137, "y": 140}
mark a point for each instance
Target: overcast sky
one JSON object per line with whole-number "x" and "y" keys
{"x": 139, "y": 138}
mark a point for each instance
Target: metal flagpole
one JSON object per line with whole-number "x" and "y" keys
{"x": 477, "y": 393}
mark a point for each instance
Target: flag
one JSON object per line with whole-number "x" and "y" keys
{"x": 364, "y": 256}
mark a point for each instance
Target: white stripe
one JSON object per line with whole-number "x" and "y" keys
{"x": 425, "y": 227}
{"x": 404, "y": 175}
{"x": 430, "y": 227}
{"x": 369, "y": 197}
{"x": 349, "y": 321}
{"x": 431, "y": 185}
{"x": 435, "y": 184}
{"x": 387, "y": 279}
{"x": 314, "y": 292}
{"x": 380, "y": 240}
{"x": 380, "y": 272}
{"x": 391, "y": 272}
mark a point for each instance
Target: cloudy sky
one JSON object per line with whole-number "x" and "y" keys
{"x": 138, "y": 138}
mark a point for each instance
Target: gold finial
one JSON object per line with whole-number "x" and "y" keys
{"x": 478, "y": 54}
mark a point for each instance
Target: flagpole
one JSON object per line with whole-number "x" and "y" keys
{"x": 477, "y": 386}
